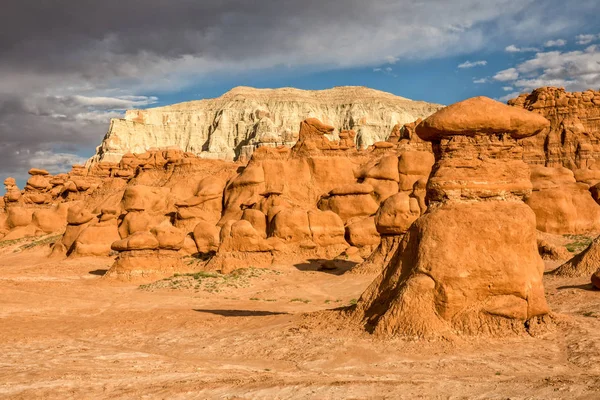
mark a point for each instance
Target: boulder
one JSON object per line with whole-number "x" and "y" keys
{"x": 327, "y": 228}
{"x": 50, "y": 220}
{"x": 78, "y": 215}
{"x": 96, "y": 239}
{"x": 361, "y": 232}
{"x": 169, "y": 237}
{"x": 241, "y": 236}
{"x": 37, "y": 171}
{"x": 136, "y": 241}
{"x": 290, "y": 225}
{"x": 206, "y": 237}
{"x": 39, "y": 182}
{"x": 397, "y": 214}
{"x": 350, "y": 205}
{"x": 257, "y": 219}
{"x": 18, "y": 216}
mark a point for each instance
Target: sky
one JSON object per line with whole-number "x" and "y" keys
{"x": 68, "y": 66}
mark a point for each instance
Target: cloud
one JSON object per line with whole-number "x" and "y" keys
{"x": 586, "y": 39}
{"x": 115, "y": 103}
{"x": 392, "y": 59}
{"x": 469, "y": 64}
{"x": 54, "y": 162}
{"x": 507, "y": 88}
{"x": 509, "y": 74}
{"x": 514, "y": 49}
{"x": 574, "y": 70}
{"x": 386, "y": 71}
{"x": 481, "y": 80}
{"x": 555, "y": 43}
{"x": 64, "y": 74}
{"x": 508, "y": 97}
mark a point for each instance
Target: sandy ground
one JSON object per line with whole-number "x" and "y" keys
{"x": 67, "y": 333}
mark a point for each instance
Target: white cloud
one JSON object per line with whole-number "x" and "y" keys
{"x": 574, "y": 70}
{"x": 586, "y": 39}
{"x": 469, "y": 64}
{"x": 386, "y": 71}
{"x": 55, "y": 162}
{"x": 480, "y": 80}
{"x": 115, "y": 103}
{"x": 67, "y": 80}
{"x": 507, "y": 97}
{"x": 507, "y": 88}
{"x": 509, "y": 74}
{"x": 514, "y": 49}
{"x": 555, "y": 43}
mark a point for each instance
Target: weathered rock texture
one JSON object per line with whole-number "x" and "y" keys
{"x": 470, "y": 264}
{"x": 560, "y": 198}
{"x": 317, "y": 199}
{"x": 585, "y": 263}
{"x": 561, "y": 204}
{"x": 574, "y": 138}
{"x": 234, "y": 124}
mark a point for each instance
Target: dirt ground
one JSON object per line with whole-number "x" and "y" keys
{"x": 67, "y": 333}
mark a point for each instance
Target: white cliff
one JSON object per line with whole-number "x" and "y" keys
{"x": 234, "y": 124}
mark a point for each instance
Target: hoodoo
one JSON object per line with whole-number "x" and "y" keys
{"x": 470, "y": 264}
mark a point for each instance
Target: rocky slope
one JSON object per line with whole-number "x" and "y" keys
{"x": 233, "y": 125}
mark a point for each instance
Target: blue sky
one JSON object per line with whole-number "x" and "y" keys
{"x": 444, "y": 80}
{"x": 63, "y": 75}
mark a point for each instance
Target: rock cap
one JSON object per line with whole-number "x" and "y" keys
{"x": 481, "y": 116}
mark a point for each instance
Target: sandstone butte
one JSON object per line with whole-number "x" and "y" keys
{"x": 350, "y": 174}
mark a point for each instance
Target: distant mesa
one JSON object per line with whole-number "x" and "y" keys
{"x": 232, "y": 126}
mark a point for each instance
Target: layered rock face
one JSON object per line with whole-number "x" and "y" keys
{"x": 317, "y": 200}
{"x": 470, "y": 264}
{"x": 574, "y": 138}
{"x": 244, "y": 118}
{"x": 565, "y": 158}
{"x": 41, "y": 207}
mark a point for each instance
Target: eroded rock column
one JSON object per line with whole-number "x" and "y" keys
{"x": 470, "y": 264}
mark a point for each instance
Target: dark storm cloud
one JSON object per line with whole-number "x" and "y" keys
{"x": 66, "y": 66}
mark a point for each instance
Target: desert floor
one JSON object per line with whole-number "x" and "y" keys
{"x": 67, "y": 333}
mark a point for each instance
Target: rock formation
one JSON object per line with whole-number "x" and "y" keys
{"x": 583, "y": 264}
{"x": 303, "y": 189}
{"x": 574, "y": 138}
{"x": 561, "y": 204}
{"x": 244, "y": 118}
{"x": 470, "y": 264}
{"x": 316, "y": 200}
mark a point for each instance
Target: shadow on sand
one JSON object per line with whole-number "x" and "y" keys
{"x": 241, "y": 313}
{"x": 98, "y": 272}
{"x": 587, "y": 286}
{"x": 335, "y": 267}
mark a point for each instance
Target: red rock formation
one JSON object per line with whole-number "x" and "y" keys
{"x": 470, "y": 264}
{"x": 574, "y": 138}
